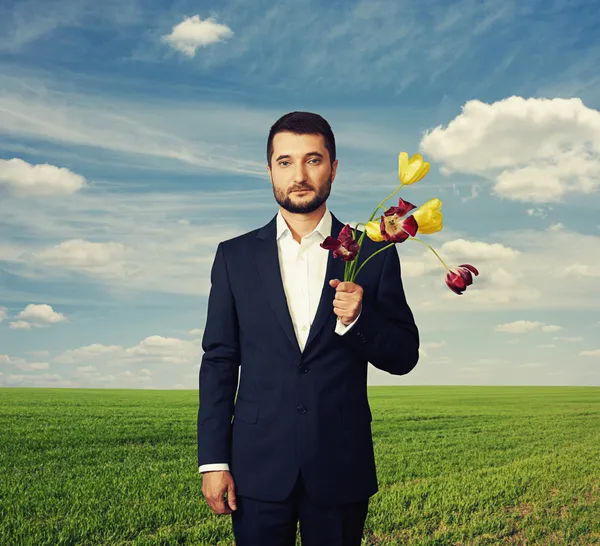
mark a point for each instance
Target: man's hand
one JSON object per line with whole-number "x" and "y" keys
{"x": 214, "y": 486}
{"x": 348, "y": 300}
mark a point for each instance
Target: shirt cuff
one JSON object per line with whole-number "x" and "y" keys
{"x": 213, "y": 466}
{"x": 341, "y": 329}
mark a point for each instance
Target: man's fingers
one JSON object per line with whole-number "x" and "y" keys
{"x": 215, "y": 485}
{"x": 231, "y": 496}
{"x": 219, "y": 506}
{"x": 340, "y": 286}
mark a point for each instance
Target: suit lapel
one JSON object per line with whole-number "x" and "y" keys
{"x": 267, "y": 263}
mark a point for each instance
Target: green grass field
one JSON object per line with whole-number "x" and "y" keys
{"x": 456, "y": 466}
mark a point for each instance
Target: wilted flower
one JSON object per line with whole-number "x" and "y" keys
{"x": 459, "y": 278}
{"x": 344, "y": 247}
{"x": 429, "y": 216}
{"x": 393, "y": 227}
{"x": 411, "y": 170}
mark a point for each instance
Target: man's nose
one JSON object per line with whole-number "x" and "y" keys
{"x": 300, "y": 172}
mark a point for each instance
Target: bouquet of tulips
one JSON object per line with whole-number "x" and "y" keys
{"x": 394, "y": 226}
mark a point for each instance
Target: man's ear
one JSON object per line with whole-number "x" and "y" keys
{"x": 334, "y": 166}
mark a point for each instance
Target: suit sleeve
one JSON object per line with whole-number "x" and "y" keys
{"x": 218, "y": 376}
{"x": 385, "y": 333}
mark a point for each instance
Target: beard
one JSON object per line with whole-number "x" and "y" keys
{"x": 305, "y": 203}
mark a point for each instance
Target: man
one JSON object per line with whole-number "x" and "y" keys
{"x": 300, "y": 447}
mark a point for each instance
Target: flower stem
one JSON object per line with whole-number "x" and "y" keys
{"x": 430, "y": 248}
{"x": 351, "y": 266}
{"x": 374, "y": 253}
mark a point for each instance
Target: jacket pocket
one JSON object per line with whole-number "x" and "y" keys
{"x": 245, "y": 411}
{"x": 356, "y": 413}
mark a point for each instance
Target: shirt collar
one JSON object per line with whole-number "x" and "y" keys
{"x": 323, "y": 227}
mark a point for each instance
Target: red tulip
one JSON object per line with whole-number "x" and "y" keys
{"x": 393, "y": 227}
{"x": 459, "y": 278}
{"x": 345, "y": 246}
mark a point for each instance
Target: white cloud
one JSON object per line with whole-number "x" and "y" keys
{"x": 518, "y": 326}
{"x": 165, "y": 349}
{"x": 573, "y": 339}
{"x": 194, "y": 32}
{"x": 462, "y": 249}
{"x": 26, "y": 22}
{"x": 25, "y": 179}
{"x": 20, "y": 325}
{"x": 22, "y": 364}
{"x": 454, "y": 253}
{"x": 525, "y": 326}
{"x": 86, "y": 369}
{"x": 35, "y": 366}
{"x": 412, "y": 266}
{"x": 475, "y": 191}
{"x": 536, "y": 150}
{"x": 90, "y": 352}
{"x": 539, "y": 212}
{"x": 151, "y": 350}
{"x": 489, "y": 361}
{"x": 148, "y": 250}
{"x": 154, "y": 358}
{"x": 425, "y": 346}
{"x": 10, "y": 252}
{"x": 551, "y": 328}
{"x": 78, "y": 253}
{"x": 594, "y": 352}
{"x": 36, "y": 380}
{"x": 521, "y": 271}
{"x": 3, "y": 313}
{"x": 433, "y": 344}
{"x": 42, "y": 353}
{"x": 37, "y": 316}
{"x": 174, "y": 136}
{"x": 581, "y": 270}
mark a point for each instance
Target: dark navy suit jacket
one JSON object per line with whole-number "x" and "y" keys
{"x": 296, "y": 410}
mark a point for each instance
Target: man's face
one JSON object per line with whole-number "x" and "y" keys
{"x": 301, "y": 162}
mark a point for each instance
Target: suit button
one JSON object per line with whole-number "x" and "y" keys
{"x": 301, "y": 409}
{"x": 303, "y": 369}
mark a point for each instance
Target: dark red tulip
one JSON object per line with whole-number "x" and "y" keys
{"x": 460, "y": 277}
{"x": 344, "y": 247}
{"x": 396, "y": 229}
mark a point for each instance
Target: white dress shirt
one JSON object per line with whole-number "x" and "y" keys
{"x": 303, "y": 266}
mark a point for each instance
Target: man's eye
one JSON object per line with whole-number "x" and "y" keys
{"x": 281, "y": 163}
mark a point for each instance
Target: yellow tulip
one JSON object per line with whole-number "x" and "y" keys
{"x": 429, "y": 216}
{"x": 373, "y": 230}
{"x": 411, "y": 170}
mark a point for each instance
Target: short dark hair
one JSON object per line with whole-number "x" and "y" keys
{"x": 302, "y": 123}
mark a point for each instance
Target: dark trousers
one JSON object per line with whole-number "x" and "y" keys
{"x": 262, "y": 523}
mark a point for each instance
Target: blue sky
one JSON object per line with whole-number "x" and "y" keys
{"x": 132, "y": 141}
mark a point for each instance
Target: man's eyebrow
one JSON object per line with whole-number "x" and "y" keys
{"x": 287, "y": 156}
